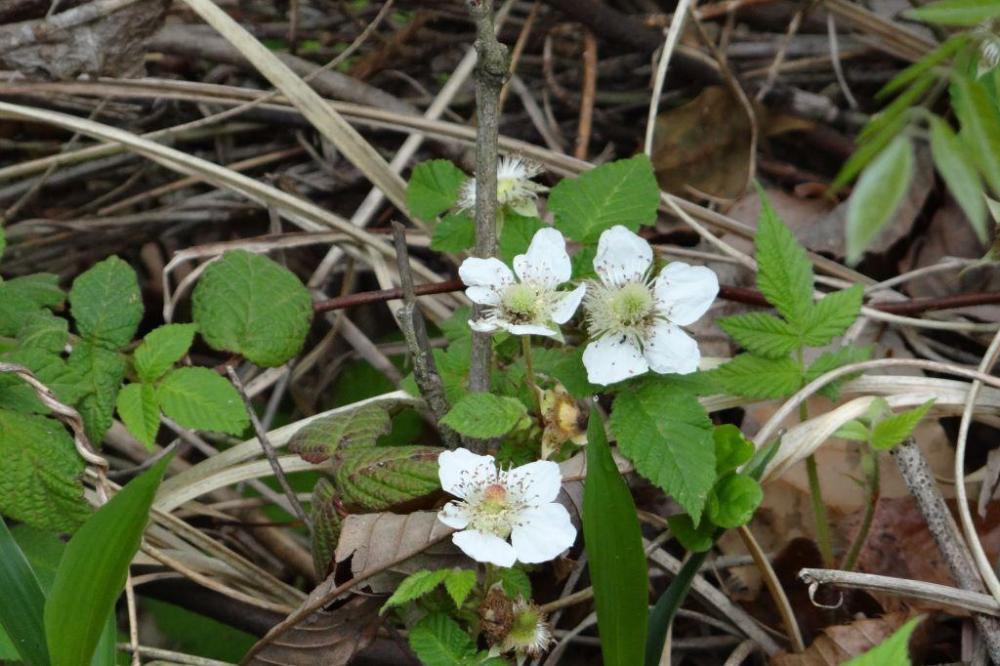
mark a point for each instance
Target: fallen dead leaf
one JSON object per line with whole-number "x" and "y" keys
{"x": 839, "y": 643}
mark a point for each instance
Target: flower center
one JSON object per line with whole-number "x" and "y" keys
{"x": 520, "y": 302}
{"x": 494, "y": 499}
{"x": 631, "y": 305}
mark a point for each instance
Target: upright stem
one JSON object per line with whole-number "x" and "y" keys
{"x": 874, "y": 490}
{"x": 823, "y": 539}
{"x": 529, "y": 369}
{"x": 491, "y": 72}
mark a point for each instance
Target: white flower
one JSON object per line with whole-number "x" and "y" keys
{"x": 530, "y": 304}
{"x": 495, "y": 505}
{"x": 635, "y": 321}
{"x": 514, "y": 187}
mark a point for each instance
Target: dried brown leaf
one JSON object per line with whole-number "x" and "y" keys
{"x": 843, "y": 642}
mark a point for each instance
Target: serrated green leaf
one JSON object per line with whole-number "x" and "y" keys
{"x": 516, "y": 235}
{"x": 832, "y": 360}
{"x": 454, "y": 233}
{"x": 832, "y": 315}
{"x": 762, "y": 334}
{"x": 40, "y": 484}
{"x": 892, "y": 430}
{"x": 877, "y": 195}
{"x": 140, "y": 412}
{"x": 106, "y": 303}
{"x": 957, "y": 12}
{"x": 733, "y": 500}
{"x": 623, "y": 192}
{"x": 327, "y": 524}
{"x": 668, "y": 436}
{"x": 459, "y": 585}
{"x": 758, "y": 377}
{"x": 161, "y": 348}
{"x": 438, "y": 640}
{"x": 484, "y": 415}
{"x": 616, "y": 559}
{"x": 893, "y": 651}
{"x": 21, "y": 613}
{"x": 93, "y": 570}
{"x": 565, "y": 365}
{"x": 101, "y": 371}
{"x": 854, "y": 430}
{"x": 433, "y": 188}
{"x": 201, "y": 399}
{"x": 944, "y": 51}
{"x": 980, "y": 120}
{"x": 45, "y": 331}
{"x": 515, "y": 582}
{"x": 248, "y": 304}
{"x": 784, "y": 273}
{"x": 322, "y": 438}
{"x": 50, "y": 369}
{"x": 415, "y": 586}
{"x": 373, "y": 479}
{"x": 895, "y": 110}
{"x": 956, "y": 166}
{"x": 731, "y": 448}
{"x": 865, "y": 154}
{"x": 15, "y": 309}
{"x": 42, "y": 289}
{"x": 697, "y": 539}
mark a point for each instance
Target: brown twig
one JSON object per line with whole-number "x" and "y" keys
{"x": 265, "y": 444}
{"x": 587, "y": 98}
{"x": 919, "y": 479}
{"x": 415, "y": 332}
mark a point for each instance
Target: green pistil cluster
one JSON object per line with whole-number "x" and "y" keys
{"x": 627, "y": 309}
{"x": 521, "y": 303}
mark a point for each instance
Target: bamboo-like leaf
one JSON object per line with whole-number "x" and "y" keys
{"x": 23, "y": 603}
{"x": 877, "y": 195}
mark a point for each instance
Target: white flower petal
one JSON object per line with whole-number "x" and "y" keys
{"x": 488, "y": 325}
{"x": 686, "y": 292}
{"x": 669, "y": 349}
{"x": 467, "y": 195}
{"x": 563, "y": 309}
{"x": 622, "y": 256}
{"x": 536, "y": 483}
{"x": 454, "y": 514}
{"x": 484, "y": 547}
{"x": 542, "y": 533}
{"x": 529, "y": 329}
{"x": 546, "y": 261}
{"x": 612, "y": 359}
{"x": 486, "y": 279}
{"x": 462, "y": 471}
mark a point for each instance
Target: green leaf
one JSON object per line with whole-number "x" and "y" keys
{"x": 731, "y": 448}
{"x": 42, "y": 289}
{"x": 327, "y": 524}
{"x": 101, "y": 371}
{"x": 666, "y": 433}
{"x": 40, "y": 484}
{"x": 697, "y": 539}
{"x": 319, "y": 440}
{"x": 484, "y": 415}
{"x": 455, "y": 233}
{"x": 565, "y": 365}
{"x": 459, "y": 585}
{"x": 762, "y": 334}
{"x": 415, "y": 586}
{"x": 944, "y": 51}
{"x": 866, "y": 153}
{"x": 616, "y": 559}
{"x": 758, "y": 377}
{"x": 515, "y": 582}
{"x": 3, "y": 242}
{"x": 201, "y": 399}
{"x": 516, "y": 235}
{"x": 21, "y": 613}
{"x": 892, "y": 430}
{"x": 161, "y": 348}
{"x": 854, "y": 430}
{"x": 433, "y": 188}
{"x": 832, "y": 315}
{"x": 889, "y": 117}
{"x": 733, "y": 500}
{"x": 438, "y": 640}
{"x": 980, "y": 121}
{"x": 956, "y": 166}
{"x": 623, "y": 192}
{"x": 832, "y": 360}
{"x": 376, "y": 478}
{"x": 893, "y": 651}
{"x": 93, "y": 569}
{"x": 248, "y": 304}
{"x": 140, "y": 412}
{"x": 784, "y": 273}
{"x": 957, "y": 12}
{"x": 14, "y": 310}
{"x": 877, "y": 195}
{"x": 106, "y": 303}
{"x": 45, "y": 331}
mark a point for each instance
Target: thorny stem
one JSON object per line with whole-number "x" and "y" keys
{"x": 874, "y": 490}
{"x": 491, "y": 72}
